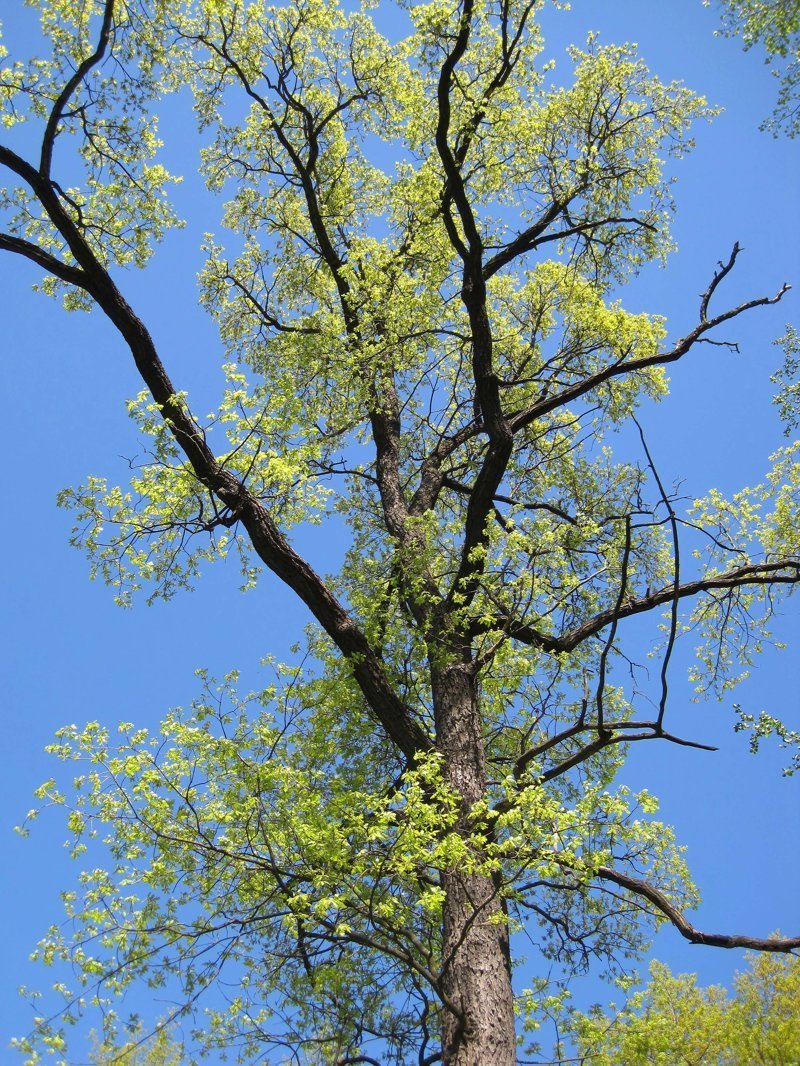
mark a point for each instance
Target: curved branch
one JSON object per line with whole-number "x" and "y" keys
{"x": 536, "y": 235}
{"x": 48, "y": 141}
{"x": 613, "y": 733}
{"x": 676, "y": 555}
{"x": 623, "y": 588}
{"x": 455, "y": 188}
{"x": 695, "y": 936}
{"x": 544, "y": 505}
{"x": 473, "y": 296}
{"x": 724, "y": 268}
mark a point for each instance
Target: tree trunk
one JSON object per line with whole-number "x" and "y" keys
{"x": 476, "y": 957}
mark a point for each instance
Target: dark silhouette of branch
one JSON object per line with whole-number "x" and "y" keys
{"x": 623, "y": 588}
{"x": 535, "y": 236}
{"x": 72, "y": 275}
{"x": 56, "y": 114}
{"x": 676, "y": 556}
{"x": 269, "y": 543}
{"x": 718, "y": 940}
{"x": 724, "y": 269}
{"x": 543, "y": 505}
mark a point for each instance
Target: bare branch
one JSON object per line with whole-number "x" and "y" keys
{"x": 455, "y": 189}
{"x": 695, "y": 936}
{"x": 72, "y": 275}
{"x": 673, "y": 622}
{"x": 623, "y": 588}
{"x": 261, "y": 310}
{"x": 724, "y": 269}
{"x": 535, "y": 236}
{"x": 628, "y": 366}
{"x": 544, "y": 505}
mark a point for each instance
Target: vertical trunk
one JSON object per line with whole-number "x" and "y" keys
{"x": 477, "y": 970}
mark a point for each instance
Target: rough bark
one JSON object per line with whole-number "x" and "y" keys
{"x": 476, "y": 977}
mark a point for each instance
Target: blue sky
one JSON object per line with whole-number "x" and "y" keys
{"x": 69, "y": 655}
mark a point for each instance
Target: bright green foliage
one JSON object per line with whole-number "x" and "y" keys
{"x": 767, "y": 514}
{"x": 765, "y": 726}
{"x": 141, "y": 1049}
{"x": 672, "y": 1022}
{"x": 775, "y": 26}
{"x": 290, "y": 850}
{"x": 295, "y": 843}
{"x": 114, "y": 184}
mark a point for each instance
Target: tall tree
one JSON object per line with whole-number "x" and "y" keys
{"x": 416, "y": 319}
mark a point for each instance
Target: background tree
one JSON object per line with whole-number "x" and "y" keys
{"x": 673, "y": 1021}
{"x": 435, "y": 358}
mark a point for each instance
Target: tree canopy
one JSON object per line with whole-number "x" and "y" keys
{"x": 672, "y": 1021}
{"x": 416, "y": 296}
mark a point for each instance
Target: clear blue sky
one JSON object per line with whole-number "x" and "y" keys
{"x": 69, "y": 655}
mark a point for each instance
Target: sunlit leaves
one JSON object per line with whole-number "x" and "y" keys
{"x": 295, "y": 102}
{"x": 788, "y": 398}
{"x": 766, "y": 726}
{"x": 759, "y": 524}
{"x": 673, "y": 1020}
{"x": 101, "y": 137}
{"x": 238, "y": 834}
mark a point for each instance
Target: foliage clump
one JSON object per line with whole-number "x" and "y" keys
{"x": 674, "y": 1022}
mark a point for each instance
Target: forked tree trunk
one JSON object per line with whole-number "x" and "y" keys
{"x": 477, "y": 969}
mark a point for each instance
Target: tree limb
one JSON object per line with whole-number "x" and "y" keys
{"x": 535, "y": 236}
{"x": 676, "y": 556}
{"x": 473, "y": 295}
{"x": 717, "y": 940}
{"x": 51, "y": 129}
{"x": 72, "y": 275}
{"x": 629, "y": 366}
